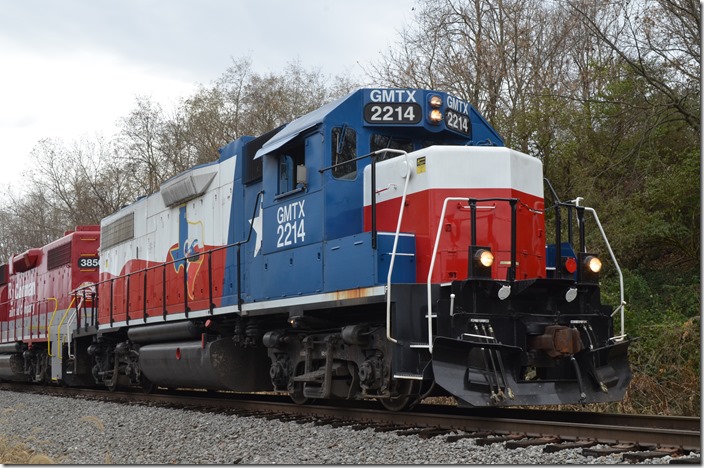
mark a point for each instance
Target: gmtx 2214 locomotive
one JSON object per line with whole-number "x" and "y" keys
{"x": 385, "y": 246}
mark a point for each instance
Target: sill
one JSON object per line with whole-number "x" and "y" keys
{"x": 298, "y": 189}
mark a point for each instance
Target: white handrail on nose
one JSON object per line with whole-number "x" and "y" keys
{"x": 393, "y": 250}
{"x": 432, "y": 267}
{"x": 622, "y": 306}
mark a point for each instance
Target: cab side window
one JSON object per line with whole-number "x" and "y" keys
{"x": 291, "y": 167}
{"x": 285, "y": 173}
{"x": 344, "y": 148}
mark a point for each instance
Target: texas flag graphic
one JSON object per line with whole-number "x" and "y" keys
{"x": 187, "y": 253}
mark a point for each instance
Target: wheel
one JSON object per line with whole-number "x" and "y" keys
{"x": 296, "y": 394}
{"x": 112, "y": 383}
{"x": 146, "y": 384}
{"x": 408, "y": 391}
{"x": 46, "y": 378}
{"x": 295, "y": 389}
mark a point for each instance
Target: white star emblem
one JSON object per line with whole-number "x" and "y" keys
{"x": 257, "y": 227}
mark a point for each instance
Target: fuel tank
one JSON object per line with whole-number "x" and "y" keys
{"x": 12, "y": 368}
{"x": 216, "y": 365}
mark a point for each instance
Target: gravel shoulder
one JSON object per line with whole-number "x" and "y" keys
{"x": 91, "y": 432}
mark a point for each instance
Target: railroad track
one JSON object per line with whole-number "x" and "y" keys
{"x": 637, "y": 437}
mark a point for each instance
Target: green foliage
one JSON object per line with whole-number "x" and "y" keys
{"x": 662, "y": 314}
{"x": 666, "y": 361}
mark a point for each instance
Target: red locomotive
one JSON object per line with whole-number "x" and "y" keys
{"x": 38, "y": 309}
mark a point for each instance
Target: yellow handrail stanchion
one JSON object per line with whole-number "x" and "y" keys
{"x": 58, "y": 332}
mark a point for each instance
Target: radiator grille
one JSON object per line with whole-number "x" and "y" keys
{"x": 118, "y": 231}
{"x": 59, "y": 256}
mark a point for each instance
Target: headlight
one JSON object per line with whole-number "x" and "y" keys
{"x": 479, "y": 261}
{"x": 593, "y": 264}
{"x": 484, "y": 257}
{"x": 435, "y": 101}
{"x": 435, "y": 116}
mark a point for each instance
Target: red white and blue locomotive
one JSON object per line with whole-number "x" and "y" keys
{"x": 385, "y": 246}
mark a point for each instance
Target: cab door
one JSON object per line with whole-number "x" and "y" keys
{"x": 292, "y": 220}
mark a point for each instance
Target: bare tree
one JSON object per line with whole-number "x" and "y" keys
{"x": 27, "y": 222}
{"x": 501, "y": 56}
{"x": 241, "y": 102}
{"x": 275, "y": 99}
{"x": 660, "y": 41}
{"x": 215, "y": 115}
{"x": 139, "y": 143}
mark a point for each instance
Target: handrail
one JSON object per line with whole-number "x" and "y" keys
{"x": 186, "y": 258}
{"x": 58, "y": 329}
{"x": 68, "y": 333}
{"x": 36, "y": 313}
{"x": 24, "y": 308}
{"x": 432, "y": 267}
{"x": 373, "y": 181}
{"x": 393, "y": 250}
{"x": 398, "y": 224}
{"x": 622, "y": 305}
{"x": 582, "y": 248}
{"x": 257, "y": 205}
{"x": 68, "y": 325}
{"x": 473, "y": 205}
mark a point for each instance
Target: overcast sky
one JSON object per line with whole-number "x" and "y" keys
{"x": 74, "y": 67}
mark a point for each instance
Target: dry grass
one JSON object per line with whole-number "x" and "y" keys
{"x": 670, "y": 397}
{"x": 94, "y": 421}
{"x": 439, "y": 400}
{"x": 645, "y": 395}
{"x": 20, "y": 454}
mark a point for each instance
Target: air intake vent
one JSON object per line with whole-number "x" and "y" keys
{"x": 184, "y": 188}
{"x": 59, "y": 256}
{"x": 118, "y": 231}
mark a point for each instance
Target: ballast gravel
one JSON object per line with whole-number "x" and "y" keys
{"x": 76, "y": 431}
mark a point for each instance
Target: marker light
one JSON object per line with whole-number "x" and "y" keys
{"x": 593, "y": 263}
{"x": 570, "y": 265}
{"x": 484, "y": 257}
{"x": 435, "y": 101}
{"x": 435, "y": 116}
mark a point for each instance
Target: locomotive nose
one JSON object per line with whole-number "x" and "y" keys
{"x": 492, "y": 374}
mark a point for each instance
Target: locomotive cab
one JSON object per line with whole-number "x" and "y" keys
{"x": 315, "y": 183}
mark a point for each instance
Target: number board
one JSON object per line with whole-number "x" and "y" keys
{"x": 392, "y": 113}
{"x": 458, "y": 122}
{"x": 88, "y": 263}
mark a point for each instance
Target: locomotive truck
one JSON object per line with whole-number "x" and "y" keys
{"x": 385, "y": 246}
